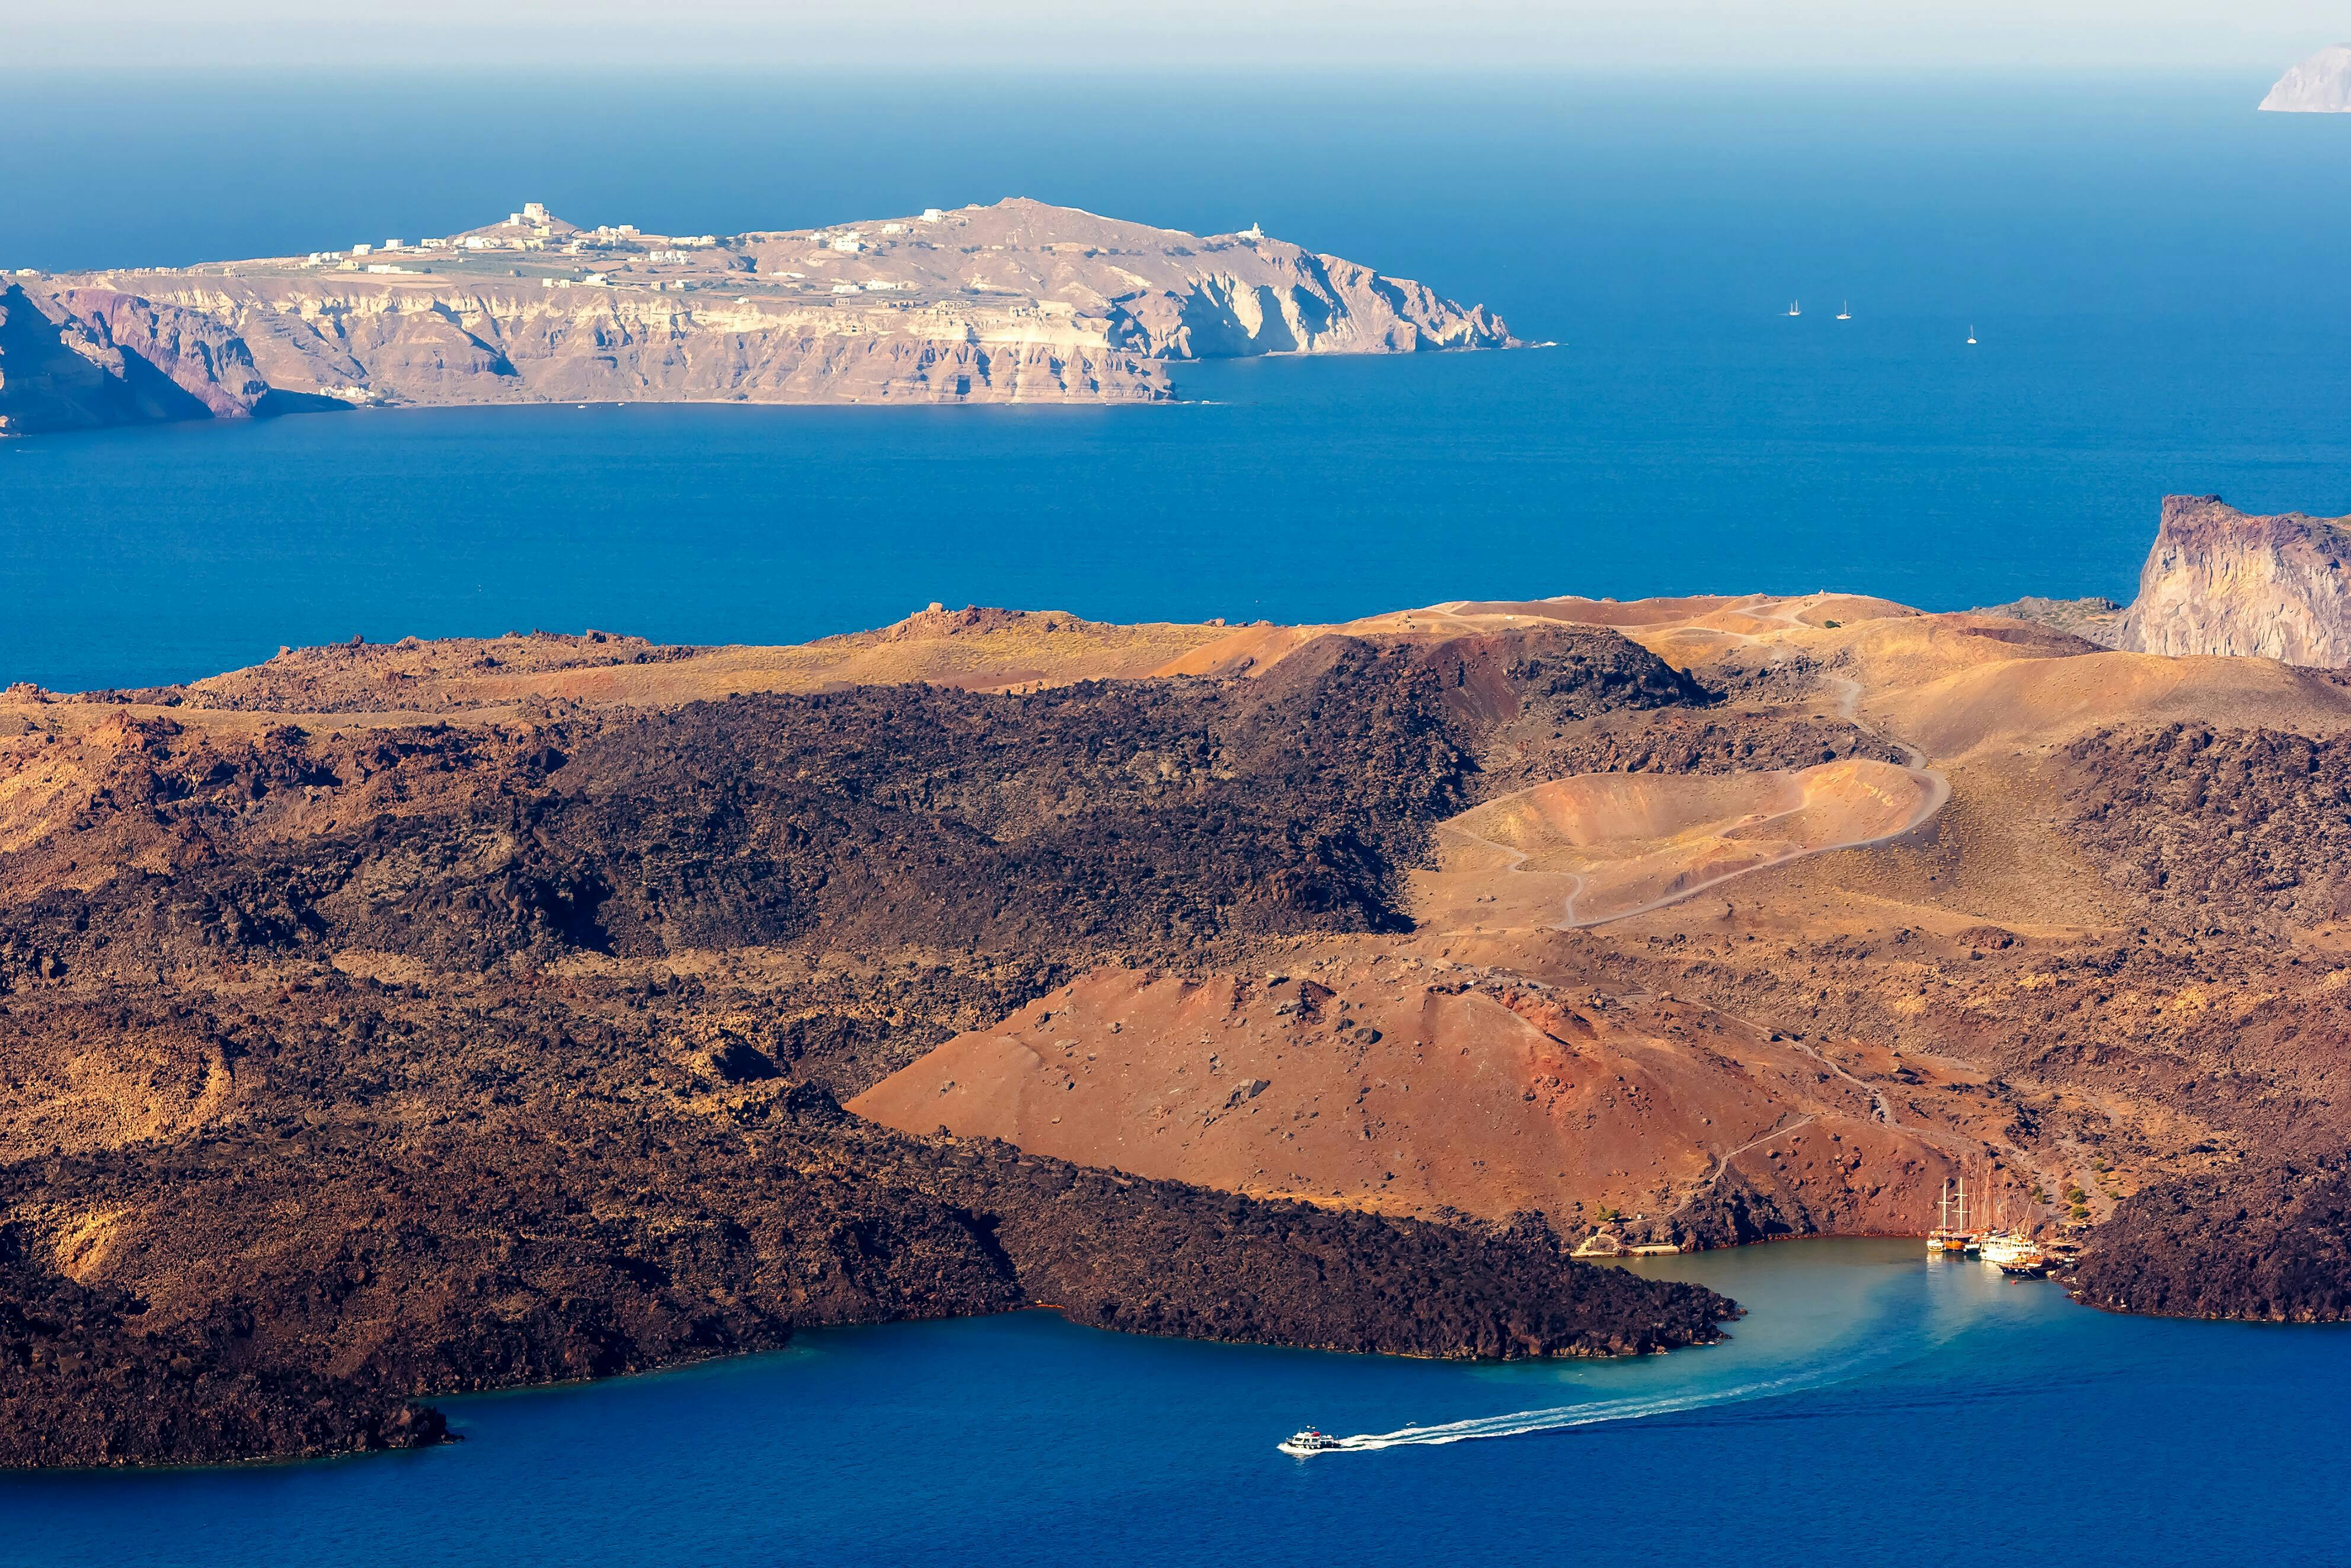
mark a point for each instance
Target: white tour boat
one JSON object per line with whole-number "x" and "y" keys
{"x": 1311, "y": 1441}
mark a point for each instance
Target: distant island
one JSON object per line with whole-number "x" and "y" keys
{"x": 2319, "y": 85}
{"x": 1015, "y": 302}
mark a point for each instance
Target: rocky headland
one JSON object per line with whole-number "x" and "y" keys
{"x": 383, "y": 1021}
{"x": 2223, "y": 582}
{"x": 1014, "y": 302}
{"x": 2220, "y": 581}
{"x": 2269, "y": 1243}
{"x": 2319, "y": 85}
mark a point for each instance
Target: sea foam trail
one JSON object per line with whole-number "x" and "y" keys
{"x": 1520, "y": 1422}
{"x": 1631, "y": 1407}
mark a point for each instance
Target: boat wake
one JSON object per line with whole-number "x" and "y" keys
{"x": 1631, "y": 1407}
{"x": 1520, "y": 1423}
{"x": 1884, "y": 1335}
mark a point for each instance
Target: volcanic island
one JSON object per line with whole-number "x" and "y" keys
{"x": 384, "y": 1021}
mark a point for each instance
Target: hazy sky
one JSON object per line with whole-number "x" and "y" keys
{"x": 1188, "y": 35}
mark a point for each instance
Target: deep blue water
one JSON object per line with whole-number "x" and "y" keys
{"x": 2154, "y": 271}
{"x": 1873, "y": 1407}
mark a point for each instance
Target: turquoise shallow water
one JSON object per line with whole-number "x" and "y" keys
{"x": 1872, "y": 1407}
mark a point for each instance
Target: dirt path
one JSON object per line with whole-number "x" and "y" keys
{"x": 1722, "y": 1160}
{"x": 1879, "y": 1104}
{"x": 1937, "y": 788}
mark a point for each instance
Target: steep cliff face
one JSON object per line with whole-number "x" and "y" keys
{"x": 190, "y": 348}
{"x": 58, "y": 372}
{"x": 2219, "y": 581}
{"x": 1014, "y": 302}
{"x": 228, "y": 353}
{"x": 2319, "y": 85}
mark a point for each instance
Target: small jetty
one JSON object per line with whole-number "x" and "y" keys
{"x": 1607, "y": 1244}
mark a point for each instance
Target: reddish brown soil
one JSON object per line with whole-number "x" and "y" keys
{"x": 1378, "y": 1081}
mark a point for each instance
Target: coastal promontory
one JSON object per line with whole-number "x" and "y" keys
{"x": 2219, "y": 581}
{"x": 2319, "y": 85}
{"x": 1016, "y": 302}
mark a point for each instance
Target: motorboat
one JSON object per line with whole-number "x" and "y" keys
{"x": 1311, "y": 1441}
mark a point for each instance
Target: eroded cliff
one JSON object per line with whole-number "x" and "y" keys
{"x": 1015, "y": 302}
{"x": 2220, "y": 581}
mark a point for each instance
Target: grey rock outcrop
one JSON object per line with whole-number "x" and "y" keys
{"x": 2319, "y": 85}
{"x": 2222, "y": 582}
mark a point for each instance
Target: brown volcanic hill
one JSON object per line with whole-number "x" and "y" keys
{"x": 2073, "y": 978}
{"x": 2220, "y": 581}
{"x": 380, "y": 1057}
{"x": 1386, "y": 1083}
{"x": 492, "y": 1035}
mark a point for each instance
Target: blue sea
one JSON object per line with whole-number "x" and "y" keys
{"x": 2156, "y": 276}
{"x": 1873, "y": 1407}
{"x": 2154, "y": 273}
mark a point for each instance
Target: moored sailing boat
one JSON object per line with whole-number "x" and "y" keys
{"x": 1951, "y": 1233}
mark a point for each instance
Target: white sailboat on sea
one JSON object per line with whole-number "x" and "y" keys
{"x": 1971, "y": 335}
{"x": 1844, "y": 311}
{"x": 1795, "y": 308}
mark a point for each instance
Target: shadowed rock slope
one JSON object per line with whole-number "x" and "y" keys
{"x": 2270, "y": 1241}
